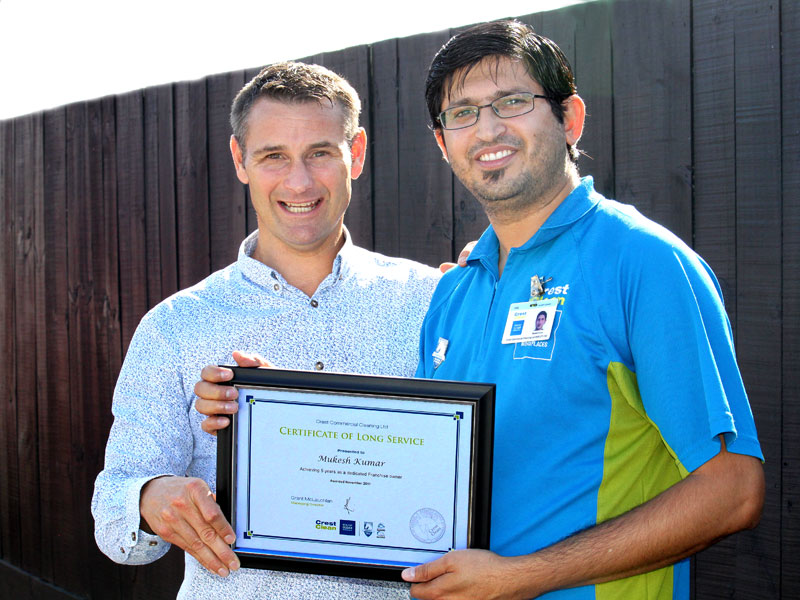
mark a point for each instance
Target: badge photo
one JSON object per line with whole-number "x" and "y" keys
{"x": 530, "y": 321}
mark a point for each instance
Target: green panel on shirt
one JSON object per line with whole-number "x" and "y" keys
{"x": 634, "y": 446}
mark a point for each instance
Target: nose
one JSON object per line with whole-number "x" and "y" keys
{"x": 299, "y": 178}
{"x": 489, "y": 125}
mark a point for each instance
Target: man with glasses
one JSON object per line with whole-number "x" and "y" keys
{"x": 622, "y": 446}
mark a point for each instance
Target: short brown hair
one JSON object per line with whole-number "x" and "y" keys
{"x": 296, "y": 82}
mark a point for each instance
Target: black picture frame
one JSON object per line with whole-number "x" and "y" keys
{"x": 477, "y": 398}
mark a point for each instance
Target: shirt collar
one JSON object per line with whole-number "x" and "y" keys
{"x": 577, "y": 204}
{"x": 265, "y": 275}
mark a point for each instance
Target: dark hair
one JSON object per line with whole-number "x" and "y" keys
{"x": 296, "y": 82}
{"x": 543, "y": 59}
{"x": 542, "y": 313}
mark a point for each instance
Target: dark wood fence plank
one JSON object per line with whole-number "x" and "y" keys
{"x": 38, "y": 343}
{"x": 52, "y": 360}
{"x": 36, "y": 197}
{"x": 382, "y": 127}
{"x": 790, "y": 396}
{"x": 425, "y": 210}
{"x": 9, "y": 464}
{"x": 652, "y": 110}
{"x": 110, "y": 313}
{"x": 191, "y": 161}
{"x": 82, "y": 187}
{"x": 131, "y": 213}
{"x": 758, "y": 211}
{"x": 27, "y": 193}
{"x": 167, "y": 174}
{"x": 227, "y": 200}
{"x": 159, "y": 194}
{"x": 714, "y": 143}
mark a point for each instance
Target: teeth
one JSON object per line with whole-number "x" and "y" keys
{"x": 301, "y": 208}
{"x": 494, "y": 155}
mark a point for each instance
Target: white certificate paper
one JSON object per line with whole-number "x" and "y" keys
{"x": 347, "y": 477}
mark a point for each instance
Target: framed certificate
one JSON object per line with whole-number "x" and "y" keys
{"x": 354, "y": 475}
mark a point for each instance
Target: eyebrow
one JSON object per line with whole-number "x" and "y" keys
{"x": 279, "y": 148}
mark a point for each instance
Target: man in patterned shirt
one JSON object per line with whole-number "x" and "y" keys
{"x": 300, "y": 292}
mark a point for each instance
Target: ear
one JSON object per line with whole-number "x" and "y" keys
{"x": 438, "y": 133}
{"x": 574, "y": 117}
{"x": 238, "y": 160}
{"x": 358, "y": 153}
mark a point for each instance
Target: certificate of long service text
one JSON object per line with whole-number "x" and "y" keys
{"x": 351, "y": 478}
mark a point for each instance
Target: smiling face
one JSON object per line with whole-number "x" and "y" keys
{"x": 512, "y": 165}
{"x": 299, "y": 166}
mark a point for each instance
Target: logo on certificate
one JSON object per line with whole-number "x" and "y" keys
{"x": 367, "y": 528}
{"x": 327, "y": 525}
{"x": 381, "y": 531}
{"x": 427, "y": 525}
{"x": 347, "y": 527}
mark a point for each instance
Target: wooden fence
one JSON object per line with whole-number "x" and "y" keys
{"x": 108, "y": 206}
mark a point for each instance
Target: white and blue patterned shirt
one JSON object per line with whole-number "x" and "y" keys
{"x": 365, "y": 318}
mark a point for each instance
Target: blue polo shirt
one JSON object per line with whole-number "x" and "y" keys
{"x": 621, "y": 395}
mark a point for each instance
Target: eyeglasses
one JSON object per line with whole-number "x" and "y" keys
{"x": 513, "y": 105}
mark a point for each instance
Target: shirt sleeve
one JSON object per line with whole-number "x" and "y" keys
{"x": 150, "y": 437}
{"x": 682, "y": 350}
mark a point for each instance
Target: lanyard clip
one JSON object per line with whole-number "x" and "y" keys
{"x": 537, "y": 286}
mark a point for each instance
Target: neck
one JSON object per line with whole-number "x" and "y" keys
{"x": 513, "y": 230}
{"x": 304, "y": 270}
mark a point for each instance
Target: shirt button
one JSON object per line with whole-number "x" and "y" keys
{"x": 277, "y": 287}
{"x": 154, "y": 543}
{"x": 133, "y": 536}
{"x": 319, "y": 366}
{"x": 314, "y": 303}
{"x": 122, "y": 550}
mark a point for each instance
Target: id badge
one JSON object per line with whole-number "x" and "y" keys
{"x": 530, "y": 321}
